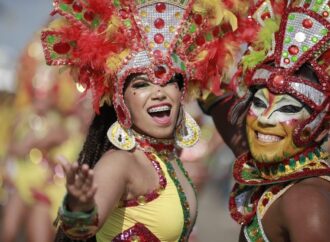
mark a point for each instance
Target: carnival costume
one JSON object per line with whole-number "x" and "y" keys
{"x": 105, "y": 42}
{"x": 290, "y": 34}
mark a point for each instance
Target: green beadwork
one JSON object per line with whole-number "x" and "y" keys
{"x": 182, "y": 196}
{"x": 183, "y": 66}
{"x": 294, "y": 58}
{"x": 302, "y": 159}
{"x": 324, "y": 31}
{"x": 290, "y": 29}
{"x": 53, "y": 56}
{"x": 292, "y": 17}
{"x": 128, "y": 23}
{"x": 192, "y": 28}
{"x": 287, "y": 40}
{"x": 79, "y": 16}
{"x": 51, "y": 39}
{"x": 292, "y": 163}
{"x": 304, "y": 48}
{"x": 116, "y": 3}
{"x": 64, "y": 7}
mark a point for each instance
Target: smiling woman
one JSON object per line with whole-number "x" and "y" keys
{"x": 137, "y": 57}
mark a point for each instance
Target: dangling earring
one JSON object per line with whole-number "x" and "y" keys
{"x": 120, "y": 137}
{"x": 187, "y": 133}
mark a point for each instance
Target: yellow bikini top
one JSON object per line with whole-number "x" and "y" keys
{"x": 158, "y": 216}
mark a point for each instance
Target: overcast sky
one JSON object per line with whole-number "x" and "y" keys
{"x": 19, "y": 20}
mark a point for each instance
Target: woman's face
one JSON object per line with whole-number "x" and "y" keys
{"x": 270, "y": 123}
{"x": 154, "y": 108}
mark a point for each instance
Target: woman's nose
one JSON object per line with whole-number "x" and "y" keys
{"x": 158, "y": 92}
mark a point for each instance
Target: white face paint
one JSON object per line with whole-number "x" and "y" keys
{"x": 270, "y": 125}
{"x": 274, "y": 109}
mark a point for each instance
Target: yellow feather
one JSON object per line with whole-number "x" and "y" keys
{"x": 58, "y": 23}
{"x": 113, "y": 25}
{"x": 114, "y": 61}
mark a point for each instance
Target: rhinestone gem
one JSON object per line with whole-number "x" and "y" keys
{"x": 77, "y": 7}
{"x": 325, "y": 14}
{"x": 159, "y": 38}
{"x": 158, "y": 54}
{"x": 186, "y": 38}
{"x": 178, "y": 15}
{"x": 89, "y": 16}
{"x": 200, "y": 40}
{"x": 61, "y": 48}
{"x": 265, "y": 15}
{"x": 159, "y": 23}
{"x": 159, "y": 71}
{"x": 123, "y": 13}
{"x": 278, "y": 81}
{"x": 198, "y": 19}
{"x": 286, "y": 61}
{"x": 293, "y": 50}
{"x": 307, "y": 23}
{"x": 160, "y": 7}
{"x": 172, "y": 29}
{"x": 300, "y": 37}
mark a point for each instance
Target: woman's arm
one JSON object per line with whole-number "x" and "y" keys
{"x": 93, "y": 193}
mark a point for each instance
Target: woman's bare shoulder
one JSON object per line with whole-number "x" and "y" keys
{"x": 118, "y": 161}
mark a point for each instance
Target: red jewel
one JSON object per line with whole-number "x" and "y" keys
{"x": 67, "y": 1}
{"x": 77, "y": 7}
{"x": 198, "y": 19}
{"x": 160, "y": 7}
{"x": 158, "y": 54}
{"x": 200, "y": 40}
{"x": 278, "y": 80}
{"x": 186, "y": 38}
{"x": 307, "y": 23}
{"x": 61, "y": 48}
{"x": 306, "y": 5}
{"x": 265, "y": 15}
{"x": 159, "y": 71}
{"x": 265, "y": 201}
{"x": 275, "y": 190}
{"x": 293, "y": 50}
{"x": 89, "y": 16}
{"x": 325, "y": 14}
{"x": 159, "y": 23}
{"x": 216, "y": 32}
{"x": 286, "y": 61}
{"x": 159, "y": 38}
{"x": 123, "y": 13}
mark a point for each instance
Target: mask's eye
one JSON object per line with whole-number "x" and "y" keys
{"x": 257, "y": 102}
{"x": 290, "y": 109}
{"x": 140, "y": 84}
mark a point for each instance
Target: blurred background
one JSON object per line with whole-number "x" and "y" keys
{"x": 41, "y": 118}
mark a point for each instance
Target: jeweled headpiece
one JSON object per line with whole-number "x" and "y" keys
{"x": 292, "y": 34}
{"x": 106, "y": 41}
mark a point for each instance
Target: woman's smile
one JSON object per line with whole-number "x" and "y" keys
{"x": 161, "y": 113}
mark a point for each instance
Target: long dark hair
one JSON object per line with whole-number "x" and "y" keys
{"x": 96, "y": 144}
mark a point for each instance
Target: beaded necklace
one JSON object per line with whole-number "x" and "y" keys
{"x": 165, "y": 150}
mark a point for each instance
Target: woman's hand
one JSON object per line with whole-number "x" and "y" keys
{"x": 80, "y": 186}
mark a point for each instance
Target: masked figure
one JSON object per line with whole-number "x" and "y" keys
{"x": 282, "y": 184}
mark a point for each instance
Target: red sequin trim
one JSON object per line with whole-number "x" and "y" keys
{"x": 138, "y": 232}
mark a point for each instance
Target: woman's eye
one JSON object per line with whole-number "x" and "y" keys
{"x": 257, "y": 102}
{"x": 290, "y": 109}
{"x": 140, "y": 84}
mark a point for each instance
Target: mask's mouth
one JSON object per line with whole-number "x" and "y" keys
{"x": 160, "y": 113}
{"x": 268, "y": 138}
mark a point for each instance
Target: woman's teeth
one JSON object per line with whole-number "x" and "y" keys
{"x": 159, "y": 109}
{"x": 268, "y": 138}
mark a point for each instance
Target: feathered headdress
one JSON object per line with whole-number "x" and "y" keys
{"x": 106, "y": 41}
{"x": 292, "y": 34}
